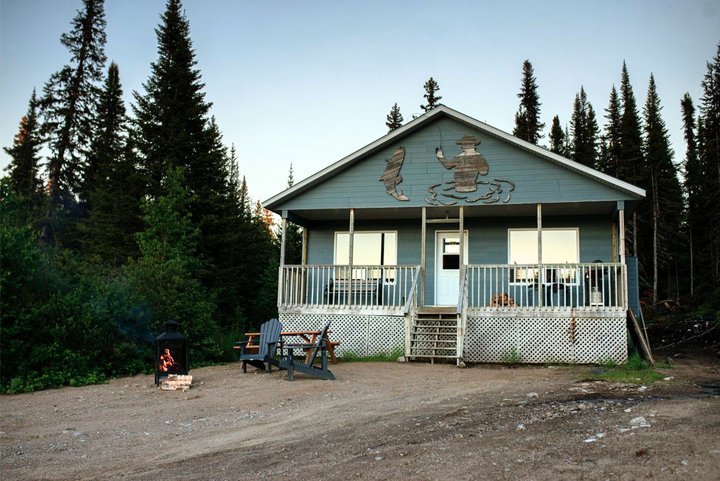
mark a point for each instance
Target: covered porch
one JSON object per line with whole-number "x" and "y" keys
{"x": 499, "y": 312}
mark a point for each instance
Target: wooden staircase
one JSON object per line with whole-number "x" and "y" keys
{"x": 433, "y": 334}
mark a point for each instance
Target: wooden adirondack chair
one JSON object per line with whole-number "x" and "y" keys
{"x": 308, "y": 368}
{"x": 269, "y": 339}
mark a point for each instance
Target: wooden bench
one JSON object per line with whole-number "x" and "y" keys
{"x": 361, "y": 290}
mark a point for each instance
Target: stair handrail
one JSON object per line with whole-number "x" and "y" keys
{"x": 412, "y": 295}
{"x": 462, "y": 314}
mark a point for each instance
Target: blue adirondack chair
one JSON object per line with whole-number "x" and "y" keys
{"x": 265, "y": 355}
{"x": 308, "y": 368}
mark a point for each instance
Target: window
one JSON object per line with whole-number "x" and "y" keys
{"x": 559, "y": 246}
{"x": 369, "y": 249}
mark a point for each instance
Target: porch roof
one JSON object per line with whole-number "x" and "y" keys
{"x": 631, "y": 193}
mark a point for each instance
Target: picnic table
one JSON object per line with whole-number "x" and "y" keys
{"x": 307, "y": 337}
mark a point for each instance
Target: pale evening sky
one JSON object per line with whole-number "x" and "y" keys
{"x": 311, "y": 81}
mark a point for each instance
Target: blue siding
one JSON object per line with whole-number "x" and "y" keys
{"x": 536, "y": 179}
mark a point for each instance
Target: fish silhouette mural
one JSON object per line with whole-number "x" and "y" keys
{"x": 391, "y": 177}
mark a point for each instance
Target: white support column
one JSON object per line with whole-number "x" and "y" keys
{"x": 621, "y": 228}
{"x": 540, "y": 292}
{"x": 351, "y": 246}
{"x": 281, "y": 269}
{"x": 304, "y": 246}
{"x": 423, "y": 255}
{"x": 461, "y": 221}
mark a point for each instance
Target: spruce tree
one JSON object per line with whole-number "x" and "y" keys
{"x": 171, "y": 116}
{"x": 557, "y": 138}
{"x": 24, "y": 155}
{"x": 431, "y": 87}
{"x": 293, "y": 234}
{"x": 584, "y": 131}
{"x": 69, "y": 106}
{"x": 610, "y": 160}
{"x": 394, "y": 119}
{"x": 527, "y": 119}
{"x": 709, "y": 156}
{"x": 631, "y": 167}
{"x": 167, "y": 274}
{"x": 173, "y": 128}
{"x": 664, "y": 196}
{"x": 113, "y": 188}
{"x": 693, "y": 183}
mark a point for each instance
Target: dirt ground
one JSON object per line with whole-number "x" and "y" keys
{"x": 377, "y": 421}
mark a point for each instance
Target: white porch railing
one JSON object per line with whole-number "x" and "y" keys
{"x": 512, "y": 286}
{"x": 381, "y": 288}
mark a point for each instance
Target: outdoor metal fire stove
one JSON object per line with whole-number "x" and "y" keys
{"x": 172, "y": 353}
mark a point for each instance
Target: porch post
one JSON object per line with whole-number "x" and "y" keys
{"x": 621, "y": 228}
{"x": 461, "y": 221}
{"x": 539, "y": 243}
{"x": 282, "y": 257}
{"x": 623, "y": 268}
{"x": 423, "y": 254}
{"x": 304, "y": 247}
{"x": 350, "y": 257}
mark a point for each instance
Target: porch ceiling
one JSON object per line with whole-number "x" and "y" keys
{"x": 305, "y": 217}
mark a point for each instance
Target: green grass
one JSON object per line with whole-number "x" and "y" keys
{"x": 635, "y": 371}
{"x": 512, "y": 357}
{"x": 350, "y": 356}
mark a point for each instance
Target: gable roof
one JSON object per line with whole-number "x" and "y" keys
{"x": 434, "y": 114}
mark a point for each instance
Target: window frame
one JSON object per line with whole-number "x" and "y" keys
{"x": 547, "y": 276}
{"x": 388, "y": 275}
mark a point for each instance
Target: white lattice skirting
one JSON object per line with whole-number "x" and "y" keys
{"x": 546, "y": 340}
{"x": 499, "y": 338}
{"x": 362, "y": 335}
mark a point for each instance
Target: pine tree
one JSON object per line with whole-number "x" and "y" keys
{"x": 431, "y": 86}
{"x": 171, "y": 116}
{"x": 293, "y": 234}
{"x": 173, "y": 128}
{"x": 69, "y": 105}
{"x": 167, "y": 274}
{"x": 24, "y": 159}
{"x": 394, "y": 119}
{"x": 557, "y": 138}
{"x": 665, "y": 194}
{"x": 527, "y": 119}
{"x": 113, "y": 189}
{"x": 610, "y": 160}
{"x": 109, "y": 141}
{"x": 709, "y": 156}
{"x": 631, "y": 168}
{"x": 584, "y": 131}
{"x": 693, "y": 185}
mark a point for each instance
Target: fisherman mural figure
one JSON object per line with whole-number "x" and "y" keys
{"x": 391, "y": 177}
{"x": 468, "y": 165}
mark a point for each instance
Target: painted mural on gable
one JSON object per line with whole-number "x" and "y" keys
{"x": 466, "y": 187}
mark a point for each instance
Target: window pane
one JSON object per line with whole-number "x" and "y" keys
{"x": 390, "y": 249}
{"x": 451, "y": 246}
{"x": 560, "y": 246}
{"x": 523, "y": 247}
{"x": 366, "y": 248}
{"x": 342, "y": 248}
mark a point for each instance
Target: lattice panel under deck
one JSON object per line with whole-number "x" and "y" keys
{"x": 541, "y": 340}
{"x": 363, "y": 335}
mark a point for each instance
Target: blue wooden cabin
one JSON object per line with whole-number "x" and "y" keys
{"x": 448, "y": 238}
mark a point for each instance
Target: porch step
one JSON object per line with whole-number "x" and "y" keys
{"x": 433, "y": 334}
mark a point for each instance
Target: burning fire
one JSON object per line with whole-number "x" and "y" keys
{"x": 166, "y": 361}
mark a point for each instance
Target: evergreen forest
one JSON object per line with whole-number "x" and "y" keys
{"x": 117, "y": 218}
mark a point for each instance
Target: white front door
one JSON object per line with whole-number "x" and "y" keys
{"x": 447, "y": 267}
